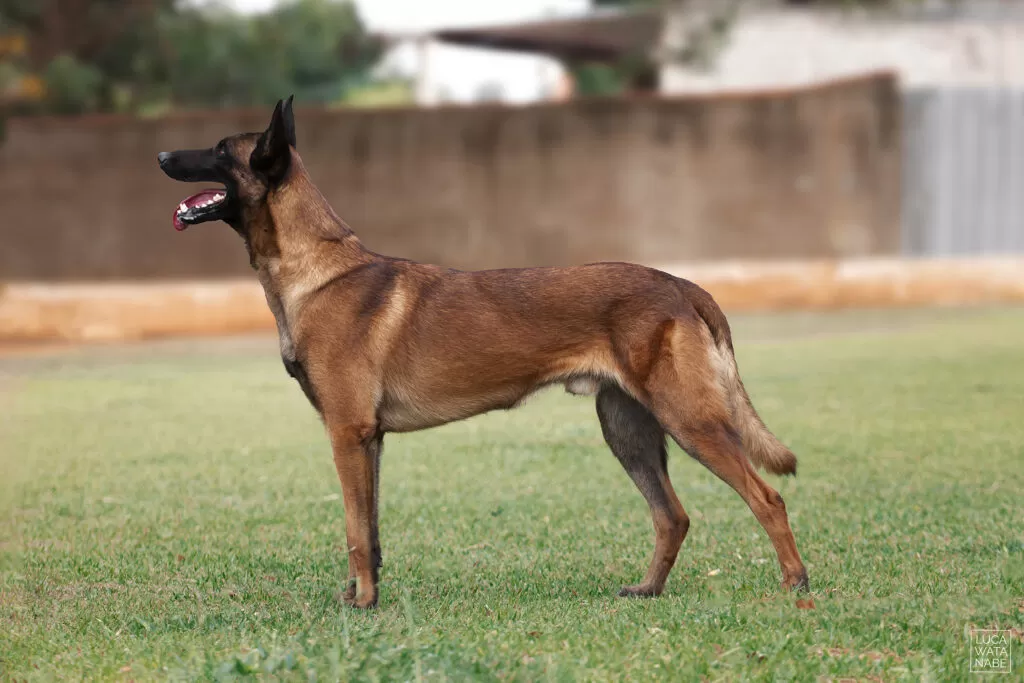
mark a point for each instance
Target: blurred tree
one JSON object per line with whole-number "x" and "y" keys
{"x": 317, "y": 49}
{"x": 633, "y": 72}
{"x": 147, "y": 55}
{"x": 88, "y": 54}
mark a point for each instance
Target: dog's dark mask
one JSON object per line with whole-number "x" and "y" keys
{"x": 246, "y": 165}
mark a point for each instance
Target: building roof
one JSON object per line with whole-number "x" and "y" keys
{"x": 595, "y": 37}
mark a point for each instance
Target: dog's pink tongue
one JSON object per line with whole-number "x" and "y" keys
{"x": 198, "y": 198}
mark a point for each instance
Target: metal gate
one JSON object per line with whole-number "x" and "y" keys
{"x": 963, "y": 171}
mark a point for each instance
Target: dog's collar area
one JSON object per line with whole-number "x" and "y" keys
{"x": 199, "y": 208}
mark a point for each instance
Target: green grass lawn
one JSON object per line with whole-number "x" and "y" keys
{"x": 171, "y": 510}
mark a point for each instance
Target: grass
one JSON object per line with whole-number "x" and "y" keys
{"x": 171, "y": 511}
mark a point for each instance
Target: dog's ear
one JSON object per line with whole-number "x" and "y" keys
{"x": 289, "y": 121}
{"x": 272, "y": 155}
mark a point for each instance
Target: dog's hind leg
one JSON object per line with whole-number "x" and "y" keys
{"x": 687, "y": 397}
{"x": 638, "y": 441}
{"x": 718, "y": 447}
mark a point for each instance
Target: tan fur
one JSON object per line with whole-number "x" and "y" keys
{"x": 761, "y": 446}
{"x": 386, "y": 345}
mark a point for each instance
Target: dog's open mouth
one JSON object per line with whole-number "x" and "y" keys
{"x": 203, "y": 206}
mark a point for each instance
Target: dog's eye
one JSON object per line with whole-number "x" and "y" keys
{"x": 222, "y": 150}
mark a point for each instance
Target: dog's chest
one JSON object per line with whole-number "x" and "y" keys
{"x": 276, "y": 305}
{"x": 292, "y": 365}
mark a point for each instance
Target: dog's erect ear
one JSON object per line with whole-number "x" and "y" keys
{"x": 272, "y": 154}
{"x": 289, "y": 120}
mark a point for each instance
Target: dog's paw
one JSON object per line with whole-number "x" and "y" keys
{"x": 351, "y": 597}
{"x": 639, "y": 591}
{"x": 362, "y": 602}
{"x": 799, "y": 582}
{"x": 348, "y": 595}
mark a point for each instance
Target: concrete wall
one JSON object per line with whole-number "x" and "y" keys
{"x": 807, "y": 173}
{"x": 32, "y": 313}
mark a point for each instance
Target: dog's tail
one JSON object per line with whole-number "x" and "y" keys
{"x": 761, "y": 446}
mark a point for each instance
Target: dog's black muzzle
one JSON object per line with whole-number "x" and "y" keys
{"x": 190, "y": 165}
{"x": 200, "y": 166}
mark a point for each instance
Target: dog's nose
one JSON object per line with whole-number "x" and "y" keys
{"x": 162, "y": 157}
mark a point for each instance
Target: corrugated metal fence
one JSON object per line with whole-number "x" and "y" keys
{"x": 963, "y": 171}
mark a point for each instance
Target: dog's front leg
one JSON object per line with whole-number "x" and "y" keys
{"x": 356, "y": 446}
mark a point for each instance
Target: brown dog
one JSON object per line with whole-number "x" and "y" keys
{"x": 381, "y": 345}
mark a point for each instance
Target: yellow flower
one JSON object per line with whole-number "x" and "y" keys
{"x": 31, "y": 88}
{"x": 13, "y": 45}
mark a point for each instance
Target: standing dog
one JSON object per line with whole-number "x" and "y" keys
{"x": 370, "y": 340}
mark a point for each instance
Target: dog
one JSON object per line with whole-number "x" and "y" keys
{"x": 381, "y": 344}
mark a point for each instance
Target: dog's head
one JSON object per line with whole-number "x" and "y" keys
{"x": 247, "y": 166}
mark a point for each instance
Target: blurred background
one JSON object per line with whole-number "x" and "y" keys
{"x": 743, "y": 144}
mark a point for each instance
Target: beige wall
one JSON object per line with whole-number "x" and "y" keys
{"x": 116, "y": 311}
{"x": 791, "y": 47}
{"x": 809, "y": 173}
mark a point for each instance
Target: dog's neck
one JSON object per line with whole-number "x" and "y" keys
{"x": 297, "y": 244}
{"x": 295, "y": 233}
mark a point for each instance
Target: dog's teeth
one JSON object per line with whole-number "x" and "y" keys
{"x": 218, "y": 197}
{"x": 182, "y": 208}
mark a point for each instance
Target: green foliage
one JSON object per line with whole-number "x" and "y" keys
{"x": 90, "y": 56}
{"x": 384, "y": 93}
{"x": 146, "y": 55}
{"x": 598, "y": 79}
{"x": 314, "y": 48}
{"x": 171, "y": 511}
{"x": 72, "y": 87}
{"x": 18, "y": 13}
